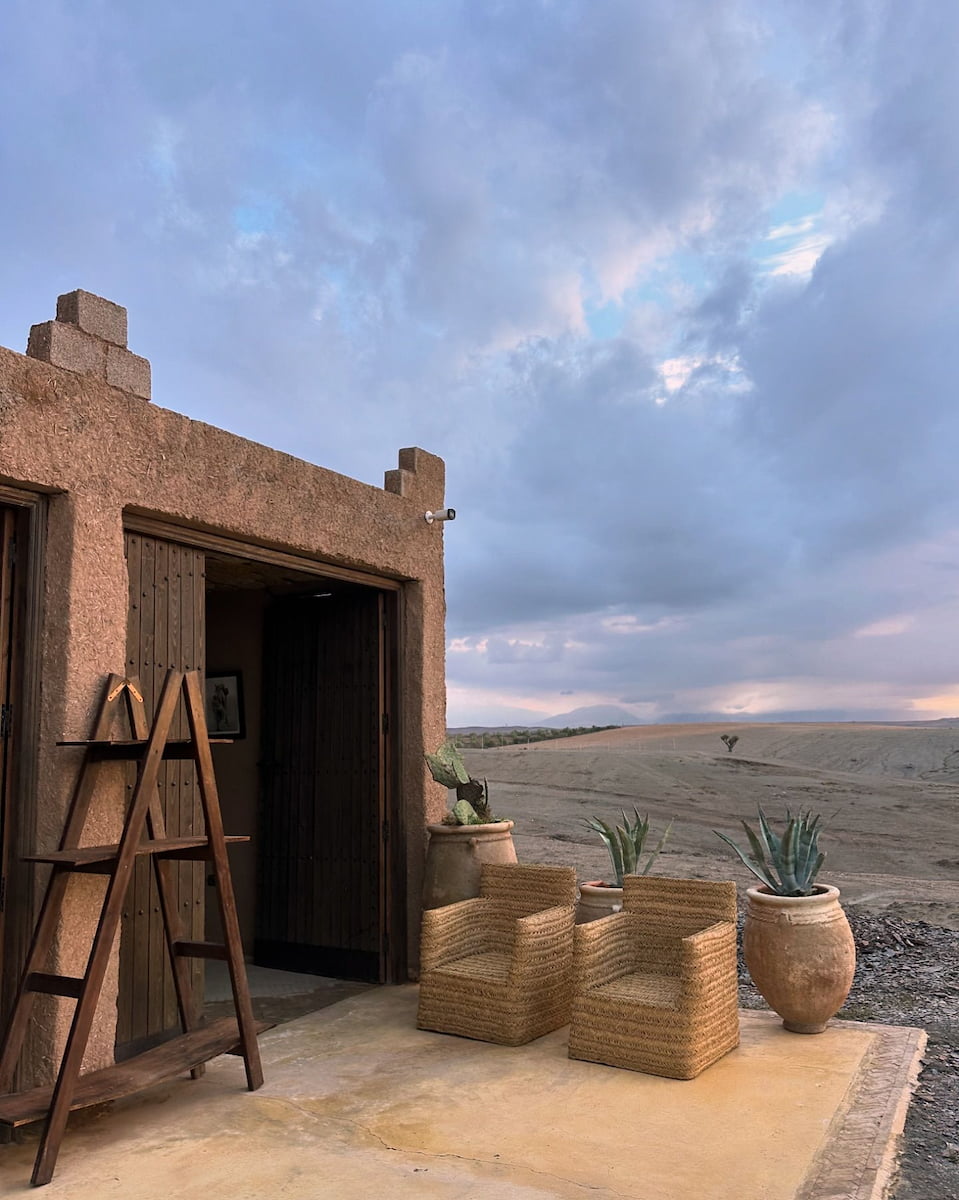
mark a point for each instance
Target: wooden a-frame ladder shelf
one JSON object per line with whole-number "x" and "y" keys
{"x": 197, "y": 1043}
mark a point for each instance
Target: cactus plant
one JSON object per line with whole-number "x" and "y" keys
{"x": 787, "y": 865}
{"x": 625, "y": 844}
{"x": 472, "y": 797}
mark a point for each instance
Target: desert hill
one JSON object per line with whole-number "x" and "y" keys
{"x": 909, "y": 751}
{"x": 890, "y": 794}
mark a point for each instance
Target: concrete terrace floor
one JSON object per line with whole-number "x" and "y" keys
{"x": 358, "y": 1103}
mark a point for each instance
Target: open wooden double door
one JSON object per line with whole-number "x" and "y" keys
{"x": 312, "y": 779}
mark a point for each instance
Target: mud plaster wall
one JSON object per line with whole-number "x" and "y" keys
{"x": 98, "y": 451}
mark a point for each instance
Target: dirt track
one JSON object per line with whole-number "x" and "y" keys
{"x": 890, "y": 794}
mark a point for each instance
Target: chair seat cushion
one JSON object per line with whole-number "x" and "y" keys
{"x": 490, "y": 967}
{"x": 655, "y": 991}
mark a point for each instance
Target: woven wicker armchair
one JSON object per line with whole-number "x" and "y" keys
{"x": 497, "y": 967}
{"x": 654, "y": 986}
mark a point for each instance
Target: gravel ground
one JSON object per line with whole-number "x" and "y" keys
{"x": 907, "y": 973}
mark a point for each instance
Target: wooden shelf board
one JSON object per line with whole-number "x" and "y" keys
{"x": 155, "y": 1066}
{"x": 141, "y": 742}
{"x": 189, "y": 848}
{"x": 130, "y": 750}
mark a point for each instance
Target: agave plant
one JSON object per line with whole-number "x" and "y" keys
{"x": 625, "y": 844}
{"x": 472, "y": 797}
{"x": 787, "y": 865}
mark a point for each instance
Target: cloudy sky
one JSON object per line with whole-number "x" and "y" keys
{"x": 671, "y": 284}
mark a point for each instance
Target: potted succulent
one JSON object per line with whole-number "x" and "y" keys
{"x": 625, "y": 844}
{"x": 797, "y": 943}
{"x": 468, "y": 835}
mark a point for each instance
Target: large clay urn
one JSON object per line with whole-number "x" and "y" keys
{"x": 455, "y": 855}
{"x": 800, "y": 953}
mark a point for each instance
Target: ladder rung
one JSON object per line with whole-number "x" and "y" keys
{"x": 123, "y": 1079}
{"x": 186, "y": 949}
{"x": 54, "y": 985}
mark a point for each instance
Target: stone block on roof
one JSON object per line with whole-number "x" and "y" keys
{"x": 95, "y": 315}
{"x": 128, "y": 371}
{"x": 68, "y": 347}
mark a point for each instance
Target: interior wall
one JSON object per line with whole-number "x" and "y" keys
{"x": 234, "y": 628}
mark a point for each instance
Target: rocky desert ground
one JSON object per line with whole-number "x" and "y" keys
{"x": 890, "y": 796}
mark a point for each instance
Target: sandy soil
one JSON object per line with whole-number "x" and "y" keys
{"x": 890, "y": 794}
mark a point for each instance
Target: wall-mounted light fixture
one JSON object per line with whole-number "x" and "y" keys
{"x": 444, "y": 514}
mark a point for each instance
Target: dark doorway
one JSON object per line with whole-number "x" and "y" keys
{"x": 323, "y": 820}
{"x": 9, "y": 609}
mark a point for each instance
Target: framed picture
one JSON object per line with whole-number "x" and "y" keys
{"x": 224, "y": 704}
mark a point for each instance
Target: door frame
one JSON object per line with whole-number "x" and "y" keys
{"x": 393, "y": 876}
{"x": 19, "y": 896}
{"x": 393, "y": 872}
{"x": 137, "y": 521}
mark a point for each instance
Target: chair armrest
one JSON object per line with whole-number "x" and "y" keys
{"x": 708, "y": 961}
{"x": 543, "y": 941}
{"x": 454, "y": 931}
{"x": 714, "y": 940}
{"x": 603, "y": 950}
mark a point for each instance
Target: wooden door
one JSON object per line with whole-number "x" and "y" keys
{"x": 321, "y": 832}
{"x": 8, "y": 642}
{"x": 165, "y": 629}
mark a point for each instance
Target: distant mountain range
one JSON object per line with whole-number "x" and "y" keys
{"x": 611, "y": 714}
{"x": 597, "y": 714}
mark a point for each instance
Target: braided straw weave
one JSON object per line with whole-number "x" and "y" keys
{"x": 654, "y": 986}
{"x": 497, "y": 967}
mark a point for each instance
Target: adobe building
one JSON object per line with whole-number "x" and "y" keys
{"x": 135, "y": 539}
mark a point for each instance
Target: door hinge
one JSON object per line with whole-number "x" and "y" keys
{"x": 6, "y": 720}
{"x": 386, "y": 831}
{"x": 3, "y": 893}
{"x": 385, "y": 723}
{"x": 13, "y": 552}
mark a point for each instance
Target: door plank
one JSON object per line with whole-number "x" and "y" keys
{"x": 165, "y": 628}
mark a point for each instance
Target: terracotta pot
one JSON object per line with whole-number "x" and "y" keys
{"x": 597, "y": 900}
{"x": 800, "y": 954}
{"x": 455, "y": 855}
